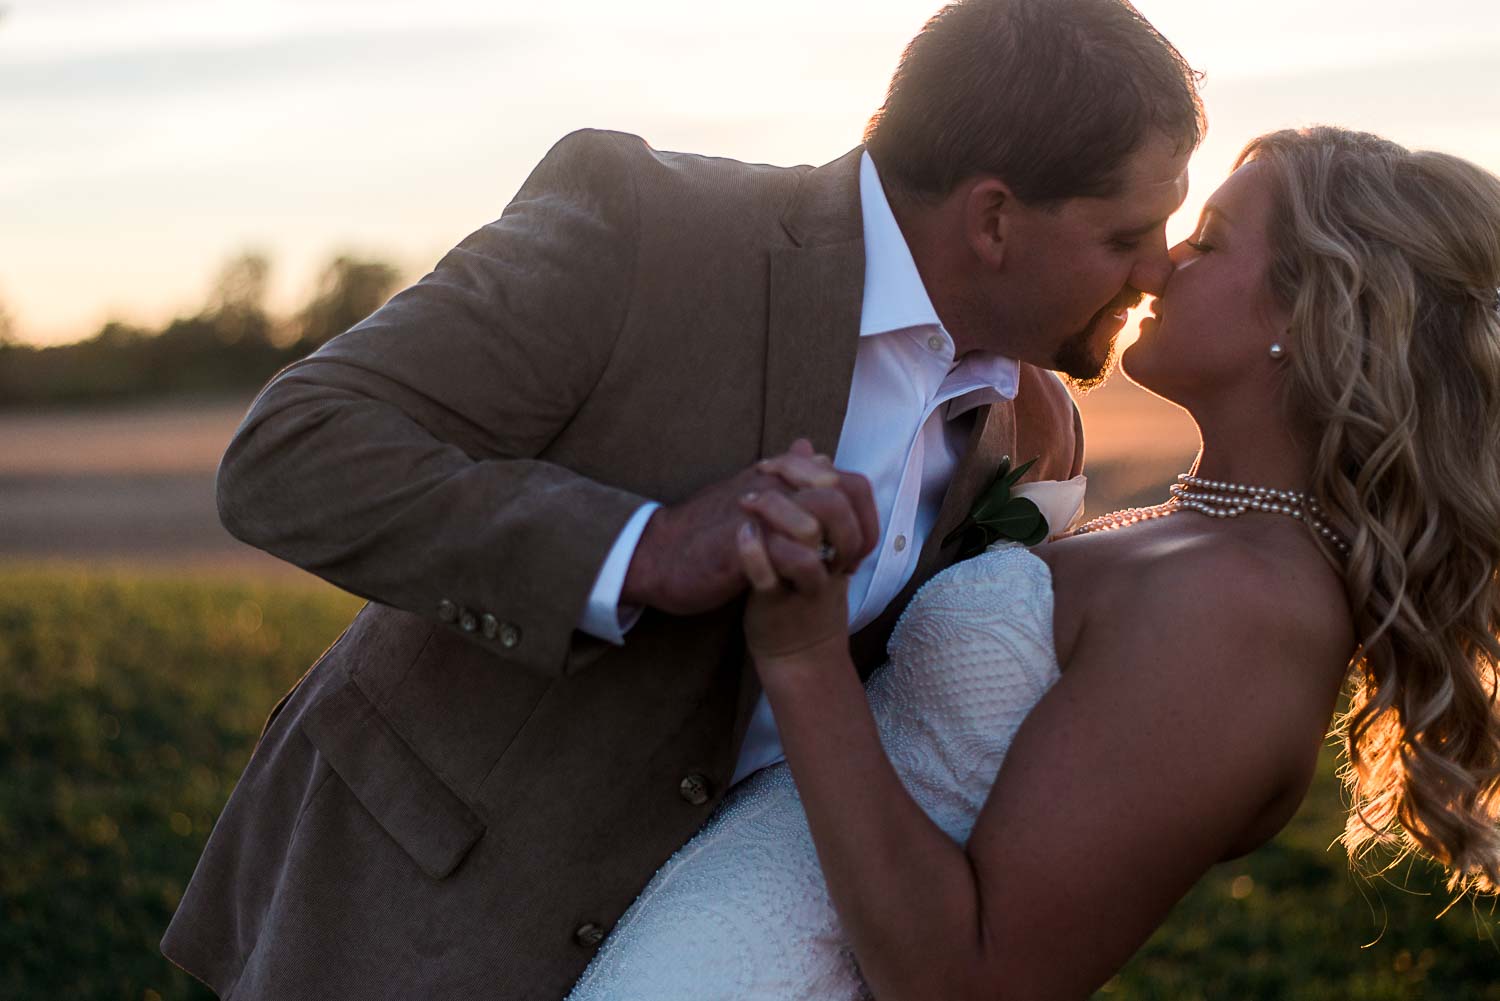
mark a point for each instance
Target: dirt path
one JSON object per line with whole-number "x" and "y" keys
{"x": 130, "y": 484}
{"x": 135, "y": 483}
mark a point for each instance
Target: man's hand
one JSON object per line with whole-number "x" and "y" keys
{"x": 688, "y": 560}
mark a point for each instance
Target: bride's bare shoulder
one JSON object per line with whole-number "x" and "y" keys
{"x": 1269, "y": 580}
{"x": 1242, "y": 628}
{"x": 1263, "y": 589}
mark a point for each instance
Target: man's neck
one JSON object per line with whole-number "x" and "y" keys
{"x": 930, "y": 229}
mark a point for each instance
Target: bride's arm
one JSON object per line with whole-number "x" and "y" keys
{"x": 1186, "y": 720}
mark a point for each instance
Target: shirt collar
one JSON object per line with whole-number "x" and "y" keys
{"x": 992, "y": 377}
{"x": 896, "y": 299}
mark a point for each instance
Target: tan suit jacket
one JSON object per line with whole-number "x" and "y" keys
{"x": 464, "y": 792}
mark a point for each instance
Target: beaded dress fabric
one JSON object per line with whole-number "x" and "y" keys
{"x": 741, "y": 911}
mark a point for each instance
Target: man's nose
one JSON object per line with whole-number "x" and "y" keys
{"x": 1153, "y": 270}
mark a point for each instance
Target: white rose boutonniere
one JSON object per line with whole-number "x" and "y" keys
{"x": 1028, "y": 513}
{"x": 1060, "y": 501}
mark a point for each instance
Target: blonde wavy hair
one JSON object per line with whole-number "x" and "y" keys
{"x": 1389, "y": 261}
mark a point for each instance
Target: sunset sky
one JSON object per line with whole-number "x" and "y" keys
{"x": 147, "y": 140}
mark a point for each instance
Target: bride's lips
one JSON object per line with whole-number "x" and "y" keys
{"x": 1152, "y": 320}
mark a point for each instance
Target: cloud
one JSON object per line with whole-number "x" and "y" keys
{"x": 173, "y": 68}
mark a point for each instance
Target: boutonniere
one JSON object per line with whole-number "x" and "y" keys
{"x": 1027, "y": 513}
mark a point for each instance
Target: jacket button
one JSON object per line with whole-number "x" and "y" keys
{"x": 588, "y": 935}
{"x": 447, "y": 610}
{"x": 510, "y": 636}
{"x": 467, "y": 622}
{"x": 694, "y": 789}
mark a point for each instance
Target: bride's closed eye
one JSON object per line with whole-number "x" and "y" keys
{"x": 1201, "y": 242}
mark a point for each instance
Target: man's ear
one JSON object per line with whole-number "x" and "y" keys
{"x": 989, "y": 220}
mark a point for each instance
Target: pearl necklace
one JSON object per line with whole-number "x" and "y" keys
{"x": 1219, "y": 499}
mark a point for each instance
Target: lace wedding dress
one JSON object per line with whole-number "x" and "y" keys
{"x": 741, "y": 911}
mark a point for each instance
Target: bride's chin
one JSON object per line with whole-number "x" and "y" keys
{"x": 1136, "y": 364}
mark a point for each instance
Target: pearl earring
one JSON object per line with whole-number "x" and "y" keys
{"x": 1278, "y": 352}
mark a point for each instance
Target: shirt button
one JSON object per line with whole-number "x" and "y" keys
{"x": 588, "y": 934}
{"x": 936, "y": 342}
{"x": 900, "y": 543}
{"x": 694, "y": 789}
{"x": 489, "y": 625}
{"x": 467, "y": 622}
{"x": 447, "y": 610}
{"x": 510, "y": 636}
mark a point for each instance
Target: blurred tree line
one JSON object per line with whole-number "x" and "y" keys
{"x": 233, "y": 344}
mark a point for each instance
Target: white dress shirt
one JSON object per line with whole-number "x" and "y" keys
{"x": 898, "y": 432}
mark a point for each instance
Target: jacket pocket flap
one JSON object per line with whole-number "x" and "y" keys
{"x": 405, "y": 797}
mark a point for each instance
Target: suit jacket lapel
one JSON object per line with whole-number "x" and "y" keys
{"x": 816, "y": 295}
{"x": 811, "y": 344}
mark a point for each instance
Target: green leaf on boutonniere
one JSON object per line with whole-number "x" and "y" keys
{"x": 997, "y": 515}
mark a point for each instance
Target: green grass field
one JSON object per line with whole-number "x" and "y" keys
{"x": 129, "y": 704}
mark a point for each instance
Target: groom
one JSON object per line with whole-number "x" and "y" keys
{"x": 530, "y": 463}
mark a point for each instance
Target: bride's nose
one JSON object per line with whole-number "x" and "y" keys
{"x": 1178, "y": 255}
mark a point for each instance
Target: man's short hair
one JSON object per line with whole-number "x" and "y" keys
{"x": 1050, "y": 96}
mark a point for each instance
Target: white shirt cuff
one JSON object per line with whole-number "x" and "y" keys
{"x": 604, "y": 617}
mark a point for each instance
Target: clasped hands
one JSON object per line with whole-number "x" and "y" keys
{"x": 763, "y": 528}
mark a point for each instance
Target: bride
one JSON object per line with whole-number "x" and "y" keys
{"x": 1064, "y": 740}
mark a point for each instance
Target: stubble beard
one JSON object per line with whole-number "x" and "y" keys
{"x": 1082, "y": 364}
{"x": 1082, "y": 361}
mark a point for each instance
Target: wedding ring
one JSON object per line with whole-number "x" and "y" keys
{"x": 827, "y": 554}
